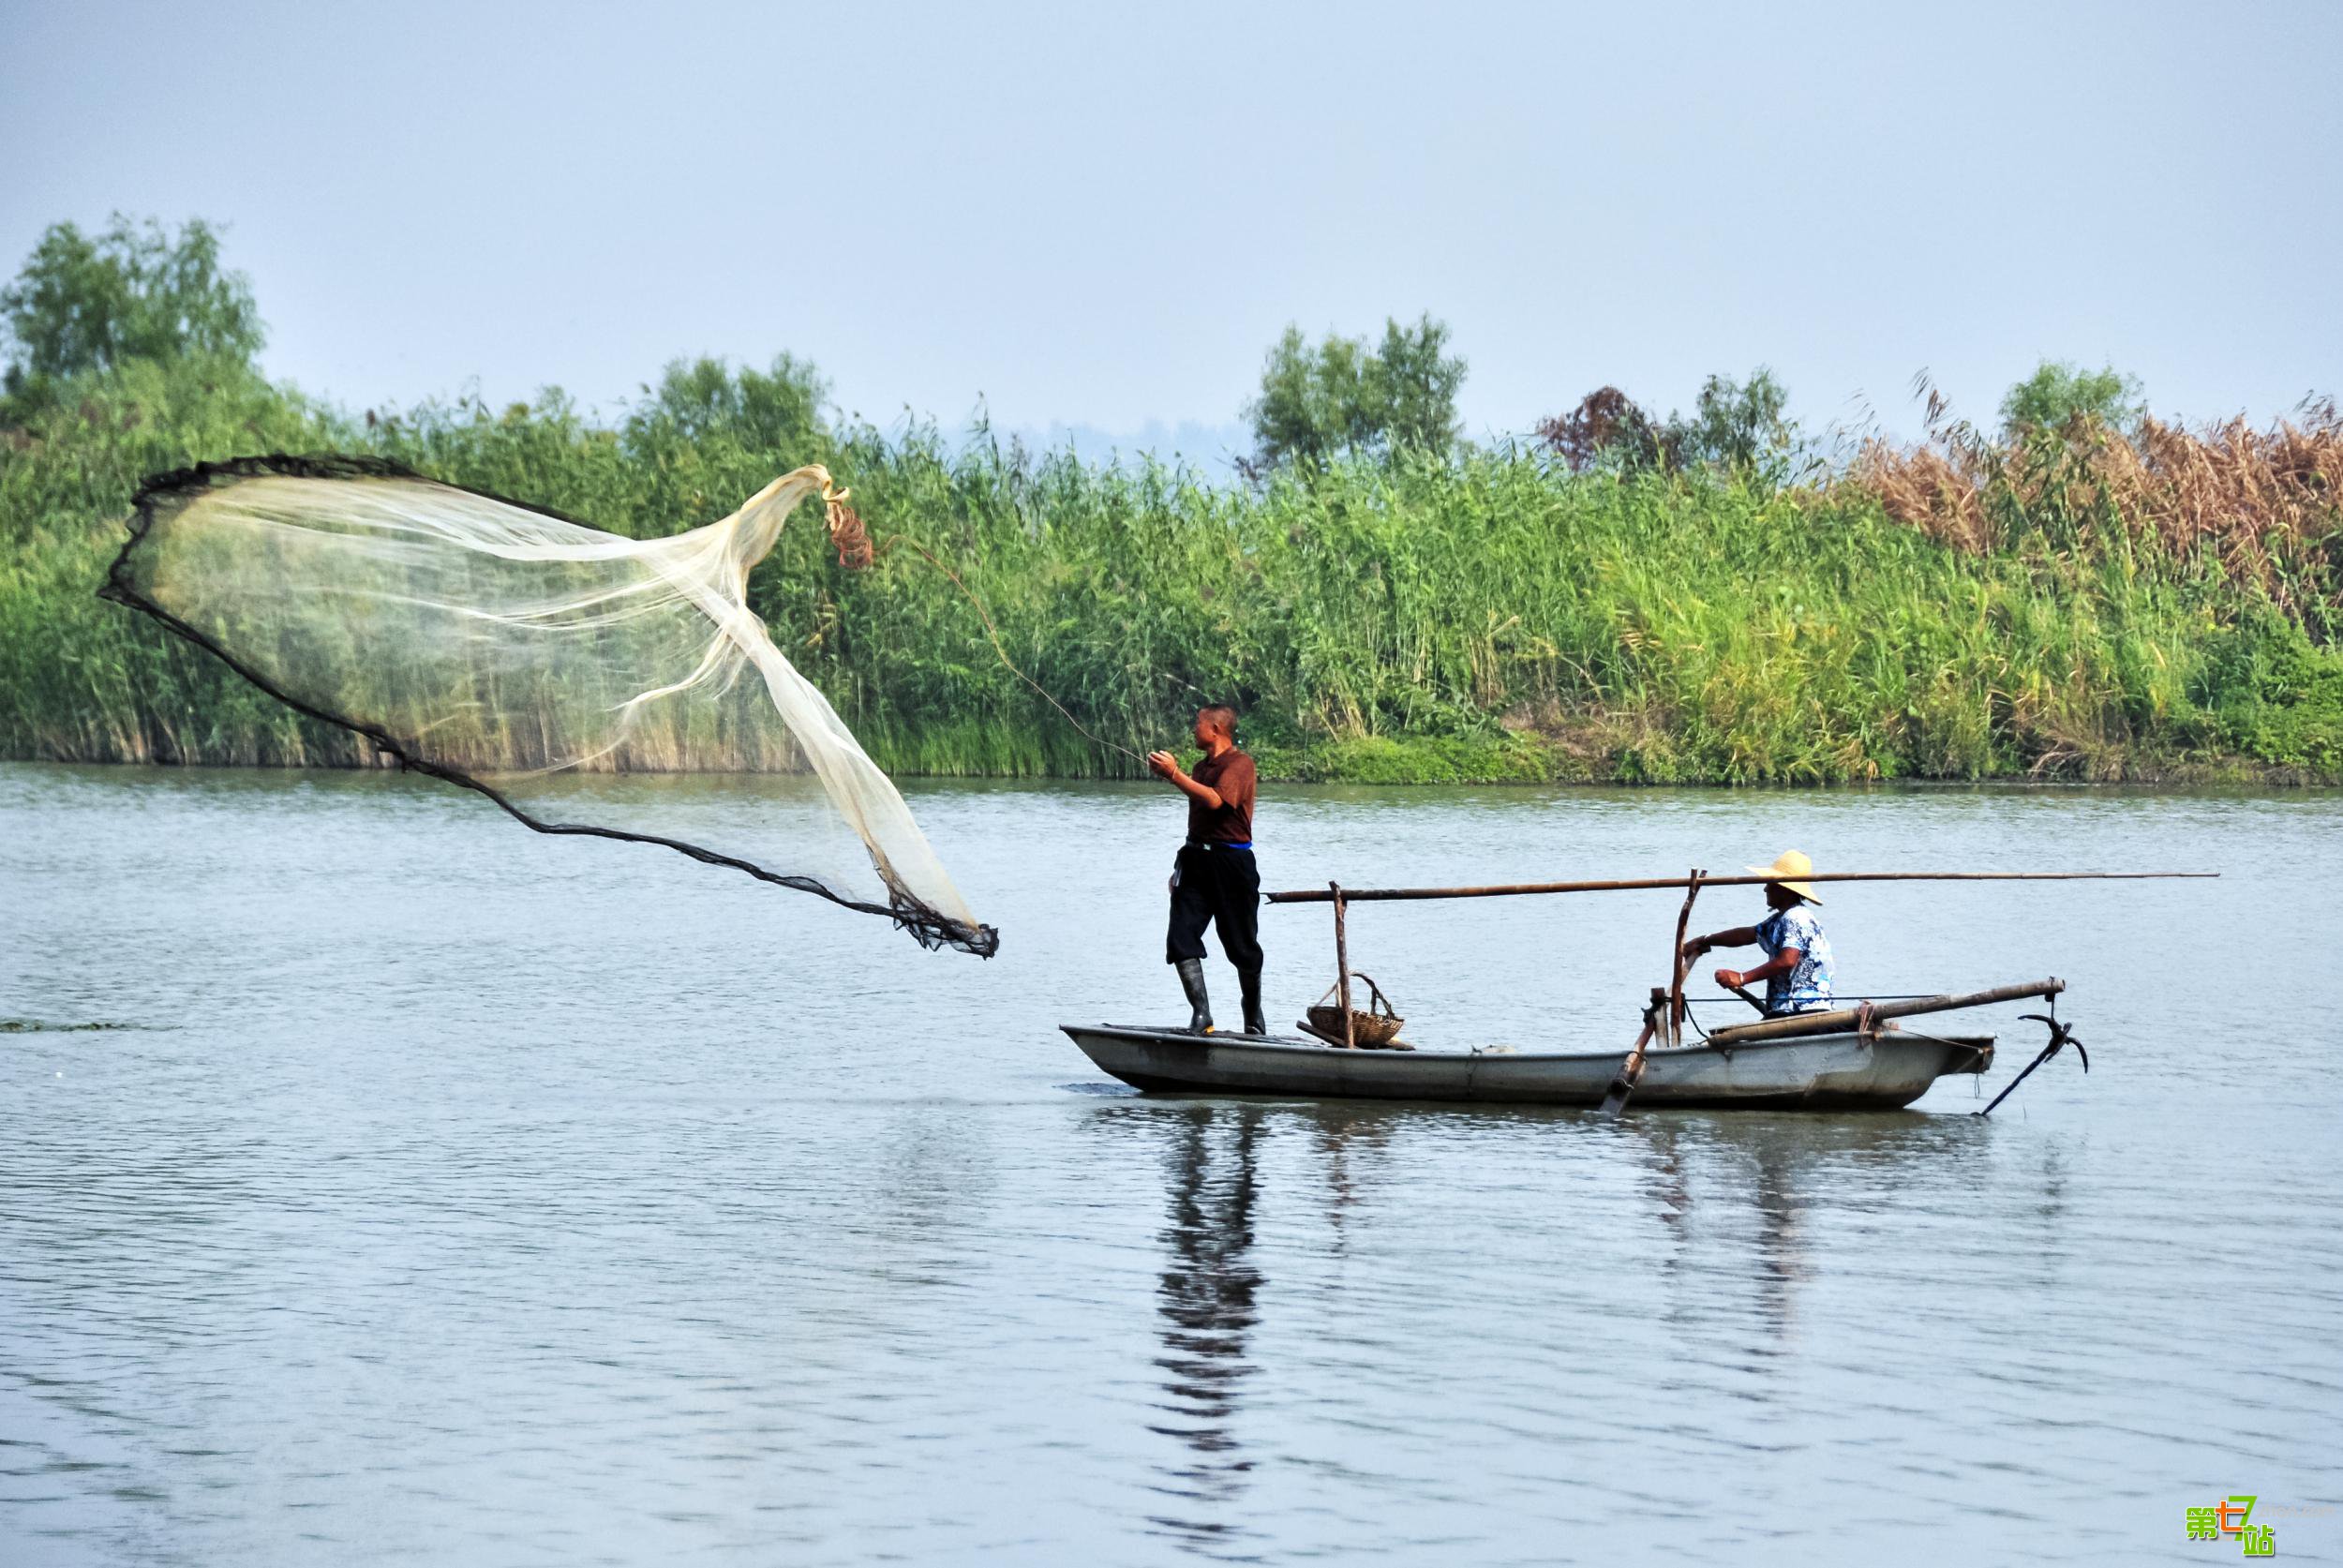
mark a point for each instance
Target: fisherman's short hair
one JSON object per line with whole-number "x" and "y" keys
{"x": 1221, "y": 713}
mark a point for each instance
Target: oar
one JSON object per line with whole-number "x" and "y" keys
{"x": 1631, "y": 1071}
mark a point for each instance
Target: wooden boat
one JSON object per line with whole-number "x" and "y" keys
{"x": 1883, "y": 1069}
{"x": 1848, "y": 1058}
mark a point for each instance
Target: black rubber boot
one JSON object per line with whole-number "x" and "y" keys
{"x": 1255, "y": 1023}
{"x": 1199, "y": 1005}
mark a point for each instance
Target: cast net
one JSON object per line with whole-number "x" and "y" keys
{"x": 577, "y": 678}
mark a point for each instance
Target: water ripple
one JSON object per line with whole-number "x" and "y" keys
{"x": 457, "y": 1197}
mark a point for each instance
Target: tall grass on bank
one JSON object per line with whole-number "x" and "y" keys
{"x": 2059, "y": 609}
{"x": 2256, "y": 507}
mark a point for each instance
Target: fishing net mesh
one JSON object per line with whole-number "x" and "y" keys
{"x": 571, "y": 675}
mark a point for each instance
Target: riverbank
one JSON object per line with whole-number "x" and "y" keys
{"x": 2062, "y": 610}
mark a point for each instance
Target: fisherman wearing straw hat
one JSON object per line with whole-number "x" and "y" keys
{"x": 1796, "y": 970}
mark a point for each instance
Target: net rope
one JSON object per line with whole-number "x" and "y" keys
{"x": 568, "y": 674}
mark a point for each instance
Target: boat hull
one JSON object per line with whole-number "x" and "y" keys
{"x": 1820, "y": 1072}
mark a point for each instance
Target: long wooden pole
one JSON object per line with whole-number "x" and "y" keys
{"x": 1847, "y": 1018}
{"x": 1342, "y": 970}
{"x": 1516, "y": 890}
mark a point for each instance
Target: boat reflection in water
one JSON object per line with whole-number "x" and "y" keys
{"x": 1213, "y": 1157}
{"x": 1350, "y": 1207}
{"x": 1751, "y": 1182}
{"x": 1205, "y": 1298}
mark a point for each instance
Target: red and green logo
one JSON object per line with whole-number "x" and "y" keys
{"x": 2232, "y": 1515}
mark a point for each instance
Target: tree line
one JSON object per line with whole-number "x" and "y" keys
{"x": 85, "y": 303}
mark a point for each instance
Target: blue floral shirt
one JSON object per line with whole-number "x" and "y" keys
{"x": 1808, "y": 986}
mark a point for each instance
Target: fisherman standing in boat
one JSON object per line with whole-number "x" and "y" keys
{"x": 1796, "y": 970}
{"x": 1215, "y": 880}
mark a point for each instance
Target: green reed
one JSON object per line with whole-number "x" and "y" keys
{"x": 1487, "y": 617}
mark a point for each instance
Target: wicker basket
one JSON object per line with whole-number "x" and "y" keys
{"x": 1372, "y": 1030}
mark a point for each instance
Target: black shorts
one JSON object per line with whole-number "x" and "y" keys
{"x": 1219, "y": 887}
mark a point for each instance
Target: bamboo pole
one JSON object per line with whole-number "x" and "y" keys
{"x": 1515, "y": 889}
{"x": 1848, "y": 1018}
{"x": 1342, "y": 971}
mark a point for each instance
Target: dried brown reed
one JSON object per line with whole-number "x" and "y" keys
{"x": 2265, "y": 505}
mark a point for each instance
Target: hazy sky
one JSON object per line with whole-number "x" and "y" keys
{"x": 1099, "y": 216}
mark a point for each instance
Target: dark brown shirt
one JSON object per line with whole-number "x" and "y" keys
{"x": 1230, "y": 774}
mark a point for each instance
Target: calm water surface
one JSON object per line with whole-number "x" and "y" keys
{"x": 450, "y": 1194}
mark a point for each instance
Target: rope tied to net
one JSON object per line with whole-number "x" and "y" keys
{"x": 847, "y": 536}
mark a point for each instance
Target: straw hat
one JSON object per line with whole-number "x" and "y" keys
{"x": 1790, "y": 871}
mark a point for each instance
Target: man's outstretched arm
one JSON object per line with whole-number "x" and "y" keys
{"x": 1784, "y": 962}
{"x": 1168, "y": 768}
{"x": 1739, "y": 936}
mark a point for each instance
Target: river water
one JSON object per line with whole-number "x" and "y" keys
{"x": 440, "y": 1192}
